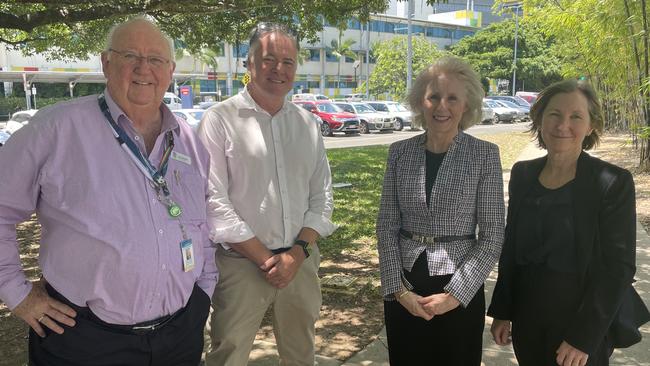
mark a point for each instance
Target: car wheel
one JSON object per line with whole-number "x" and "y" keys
{"x": 495, "y": 119}
{"x": 363, "y": 127}
{"x": 398, "y": 124}
{"x": 325, "y": 129}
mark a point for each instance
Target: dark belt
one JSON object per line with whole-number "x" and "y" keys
{"x": 431, "y": 240}
{"x": 280, "y": 250}
{"x": 137, "y": 329}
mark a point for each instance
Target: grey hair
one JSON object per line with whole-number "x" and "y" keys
{"x": 141, "y": 18}
{"x": 262, "y": 29}
{"x": 460, "y": 69}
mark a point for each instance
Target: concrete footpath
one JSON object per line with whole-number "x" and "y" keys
{"x": 376, "y": 353}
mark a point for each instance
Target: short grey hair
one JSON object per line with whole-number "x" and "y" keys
{"x": 138, "y": 19}
{"x": 264, "y": 28}
{"x": 460, "y": 69}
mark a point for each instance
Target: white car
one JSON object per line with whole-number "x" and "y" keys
{"x": 402, "y": 116}
{"x": 308, "y": 96}
{"x": 502, "y": 114}
{"x": 369, "y": 118}
{"x": 18, "y": 120}
{"x": 191, "y": 116}
{"x": 172, "y": 101}
{"x": 521, "y": 113}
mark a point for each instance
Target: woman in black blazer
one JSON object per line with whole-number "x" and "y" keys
{"x": 569, "y": 253}
{"x": 439, "y": 187}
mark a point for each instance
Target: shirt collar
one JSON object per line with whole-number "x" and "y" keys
{"x": 248, "y": 102}
{"x": 169, "y": 121}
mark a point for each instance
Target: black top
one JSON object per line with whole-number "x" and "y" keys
{"x": 433, "y": 162}
{"x": 545, "y": 233}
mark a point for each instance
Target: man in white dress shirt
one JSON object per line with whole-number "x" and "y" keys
{"x": 271, "y": 199}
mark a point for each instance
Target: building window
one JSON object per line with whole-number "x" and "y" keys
{"x": 208, "y": 85}
{"x": 354, "y": 24}
{"x": 241, "y": 51}
{"x": 329, "y": 56}
{"x": 314, "y": 55}
{"x": 349, "y": 59}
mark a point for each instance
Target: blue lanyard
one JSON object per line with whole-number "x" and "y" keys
{"x": 156, "y": 176}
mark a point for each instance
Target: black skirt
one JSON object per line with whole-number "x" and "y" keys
{"x": 454, "y": 338}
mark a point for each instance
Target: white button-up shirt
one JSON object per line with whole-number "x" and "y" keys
{"x": 269, "y": 175}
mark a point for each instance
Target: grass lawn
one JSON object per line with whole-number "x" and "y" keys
{"x": 355, "y": 207}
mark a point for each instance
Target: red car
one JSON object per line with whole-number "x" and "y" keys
{"x": 334, "y": 118}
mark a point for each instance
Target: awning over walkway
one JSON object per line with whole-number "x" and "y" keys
{"x": 71, "y": 77}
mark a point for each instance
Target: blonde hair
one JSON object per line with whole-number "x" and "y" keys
{"x": 452, "y": 66}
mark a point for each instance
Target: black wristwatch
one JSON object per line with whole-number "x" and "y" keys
{"x": 304, "y": 245}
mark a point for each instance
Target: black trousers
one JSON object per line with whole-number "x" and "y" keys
{"x": 545, "y": 302}
{"x": 92, "y": 342}
{"x": 454, "y": 338}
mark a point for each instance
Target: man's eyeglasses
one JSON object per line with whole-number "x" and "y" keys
{"x": 133, "y": 58}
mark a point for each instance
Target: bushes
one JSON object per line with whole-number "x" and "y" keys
{"x": 12, "y": 104}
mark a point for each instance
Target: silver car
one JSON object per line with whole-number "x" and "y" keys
{"x": 369, "y": 118}
{"x": 403, "y": 117}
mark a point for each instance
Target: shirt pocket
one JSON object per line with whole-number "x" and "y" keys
{"x": 187, "y": 188}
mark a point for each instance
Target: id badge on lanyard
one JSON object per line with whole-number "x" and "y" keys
{"x": 155, "y": 176}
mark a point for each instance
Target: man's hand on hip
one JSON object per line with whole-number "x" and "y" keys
{"x": 282, "y": 268}
{"x": 38, "y": 309}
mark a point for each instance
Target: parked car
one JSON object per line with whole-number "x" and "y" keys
{"x": 369, "y": 118}
{"x": 402, "y": 116}
{"x": 18, "y": 120}
{"x": 334, "y": 118}
{"x": 309, "y": 97}
{"x": 172, "y": 101}
{"x": 191, "y": 116}
{"x": 521, "y": 113}
{"x": 206, "y": 105}
{"x": 502, "y": 114}
{"x": 530, "y": 97}
{"x": 518, "y": 101}
{"x": 489, "y": 116}
{"x": 357, "y": 97}
{"x": 4, "y": 136}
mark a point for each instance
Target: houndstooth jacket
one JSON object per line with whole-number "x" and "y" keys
{"x": 468, "y": 192}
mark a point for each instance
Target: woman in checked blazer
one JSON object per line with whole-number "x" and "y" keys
{"x": 438, "y": 188}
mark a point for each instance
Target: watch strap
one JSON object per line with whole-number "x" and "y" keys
{"x": 304, "y": 245}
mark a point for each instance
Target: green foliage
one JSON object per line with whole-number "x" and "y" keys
{"x": 76, "y": 29}
{"x": 389, "y": 75}
{"x": 356, "y": 207}
{"x": 491, "y": 51}
{"x": 342, "y": 49}
{"x": 12, "y": 104}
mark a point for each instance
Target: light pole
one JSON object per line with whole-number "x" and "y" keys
{"x": 514, "y": 62}
{"x": 409, "y": 47}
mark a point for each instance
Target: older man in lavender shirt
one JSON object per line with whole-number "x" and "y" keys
{"x": 119, "y": 186}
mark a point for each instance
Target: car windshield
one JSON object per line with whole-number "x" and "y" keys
{"x": 328, "y": 108}
{"x": 522, "y": 102}
{"x": 509, "y": 104}
{"x": 321, "y": 97}
{"x": 491, "y": 104}
{"x": 364, "y": 108}
{"x": 396, "y": 107}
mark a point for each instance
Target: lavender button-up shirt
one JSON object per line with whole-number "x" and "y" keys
{"x": 107, "y": 241}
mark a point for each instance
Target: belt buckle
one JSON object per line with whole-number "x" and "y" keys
{"x": 419, "y": 238}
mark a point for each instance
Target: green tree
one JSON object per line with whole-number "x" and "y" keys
{"x": 389, "y": 74}
{"x": 491, "y": 51}
{"x": 342, "y": 49}
{"x": 607, "y": 42}
{"x": 75, "y": 29}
